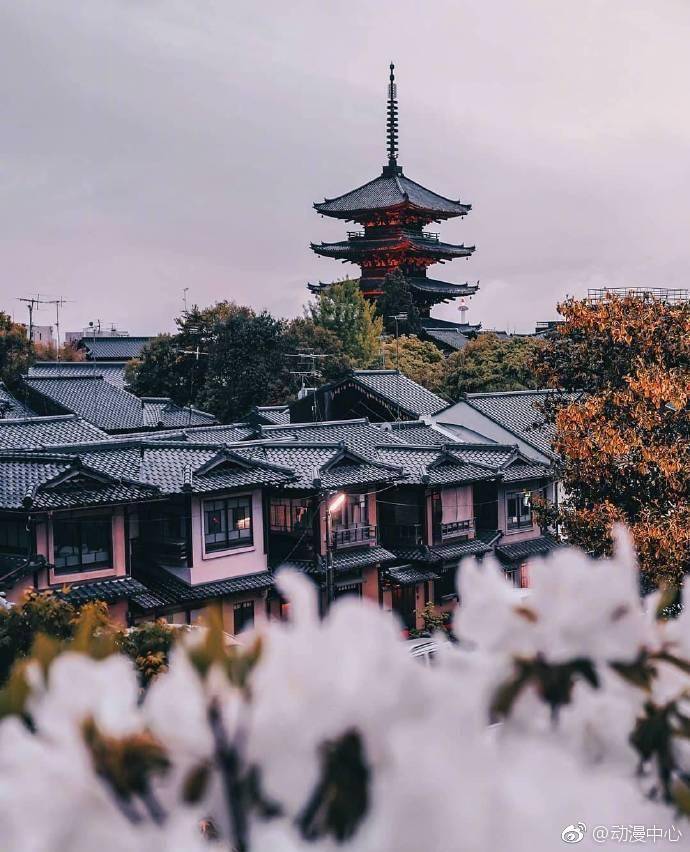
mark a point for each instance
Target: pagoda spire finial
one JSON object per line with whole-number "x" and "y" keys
{"x": 392, "y": 120}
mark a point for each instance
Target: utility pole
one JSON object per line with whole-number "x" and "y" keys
{"x": 197, "y": 353}
{"x": 402, "y": 317}
{"x": 34, "y": 302}
{"x": 31, "y": 304}
{"x": 184, "y": 298}
{"x": 308, "y": 359}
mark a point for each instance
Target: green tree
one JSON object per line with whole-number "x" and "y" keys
{"x": 343, "y": 310}
{"x": 491, "y": 363}
{"x": 397, "y": 299}
{"x": 246, "y": 364}
{"x": 16, "y": 352}
{"x": 304, "y": 335}
{"x": 419, "y": 359}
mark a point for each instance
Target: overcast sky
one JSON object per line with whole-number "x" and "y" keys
{"x": 152, "y": 145}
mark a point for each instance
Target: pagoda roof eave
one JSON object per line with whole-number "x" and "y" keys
{"x": 354, "y": 251}
{"x": 387, "y": 193}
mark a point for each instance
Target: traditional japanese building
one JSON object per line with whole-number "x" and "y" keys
{"x": 393, "y": 212}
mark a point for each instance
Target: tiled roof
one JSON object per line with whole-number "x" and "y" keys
{"x": 434, "y": 465}
{"x": 334, "y": 465}
{"x": 10, "y": 406}
{"x": 13, "y": 567}
{"x": 518, "y": 472}
{"x": 411, "y": 242}
{"x": 440, "y": 553}
{"x": 273, "y": 414}
{"x": 390, "y": 190}
{"x": 38, "y": 432}
{"x": 517, "y": 411}
{"x": 163, "y": 590}
{"x": 433, "y": 285}
{"x": 114, "y": 348}
{"x": 524, "y": 549}
{"x": 396, "y": 389}
{"x": 359, "y": 435}
{"x": 412, "y": 432}
{"x": 228, "y": 433}
{"x": 112, "y": 371}
{"x": 110, "y": 590}
{"x": 109, "y": 407}
{"x": 408, "y": 575}
{"x": 59, "y": 481}
{"x": 352, "y": 560}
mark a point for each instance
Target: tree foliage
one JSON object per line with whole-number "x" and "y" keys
{"x": 16, "y": 352}
{"x": 397, "y": 299}
{"x": 419, "y": 359}
{"x": 343, "y": 310}
{"x": 624, "y": 438}
{"x": 45, "y": 616}
{"x": 492, "y": 363}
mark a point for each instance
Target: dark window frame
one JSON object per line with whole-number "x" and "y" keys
{"x": 525, "y": 522}
{"x": 290, "y": 514}
{"x": 15, "y": 537}
{"x": 243, "y": 614}
{"x": 78, "y": 541}
{"x": 227, "y": 542}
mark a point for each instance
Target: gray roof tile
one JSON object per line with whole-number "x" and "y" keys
{"x": 396, "y": 389}
{"x": 10, "y": 406}
{"x": 112, "y": 371}
{"x": 524, "y": 549}
{"x": 391, "y": 191}
{"x": 518, "y": 412}
{"x": 114, "y": 348}
{"x": 39, "y": 432}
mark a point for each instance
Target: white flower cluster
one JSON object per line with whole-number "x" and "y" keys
{"x": 523, "y": 727}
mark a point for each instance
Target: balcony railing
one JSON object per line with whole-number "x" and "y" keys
{"x": 456, "y": 529}
{"x": 355, "y": 235}
{"x": 163, "y": 552}
{"x": 353, "y": 536}
{"x": 404, "y": 535}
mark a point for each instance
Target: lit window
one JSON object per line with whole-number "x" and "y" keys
{"x": 228, "y": 523}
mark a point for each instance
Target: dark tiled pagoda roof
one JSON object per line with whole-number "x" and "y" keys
{"x": 10, "y": 406}
{"x": 518, "y": 412}
{"x": 409, "y": 242}
{"x": 396, "y": 389}
{"x": 388, "y": 191}
{"x": 419, "y": 284}
{"x": 39, "y": 432}
{"x": 109, "y": 407}
{"x": 112, "y": 371}
{"x": 521, "y": 550}
{"x": 449, "y": 335}
{"x": 114, "y": 348}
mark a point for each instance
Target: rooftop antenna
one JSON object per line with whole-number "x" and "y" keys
{"x": 197, "y": 353}
{"x": 392, "y": 121}
{"x": 184, "y": 298}
{"x": 58, "y": 304}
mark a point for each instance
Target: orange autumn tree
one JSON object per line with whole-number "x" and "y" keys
{"x": 622, "y": 426}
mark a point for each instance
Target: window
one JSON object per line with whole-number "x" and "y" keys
{"x": 243, "y": 616}
{"x": 519, "y": 510}
{"x": 14, "y": 537}
{"x": 228, "y": 523}
{"x": 289, "y": 514}
{"x": 81, "y": 544}
{"x": 444, "y": 587}
{"x": 353, "y": 512}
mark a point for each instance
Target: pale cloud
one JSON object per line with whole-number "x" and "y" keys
{"x": 152, "y": 145}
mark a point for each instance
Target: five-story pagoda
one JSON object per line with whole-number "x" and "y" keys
{"x": 393, "y": 212}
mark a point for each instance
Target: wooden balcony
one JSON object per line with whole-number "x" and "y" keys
{"x": 356, "y": 536}
{"x": 457, "y": 529}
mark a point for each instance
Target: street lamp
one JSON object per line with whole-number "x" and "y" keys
{"x": 333, "y": 502}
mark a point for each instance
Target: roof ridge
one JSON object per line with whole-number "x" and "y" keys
{"x": 273, "y": 427}
{"x": 44, "y": 419}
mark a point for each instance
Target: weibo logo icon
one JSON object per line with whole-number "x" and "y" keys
{"x": 573, "y": 833}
